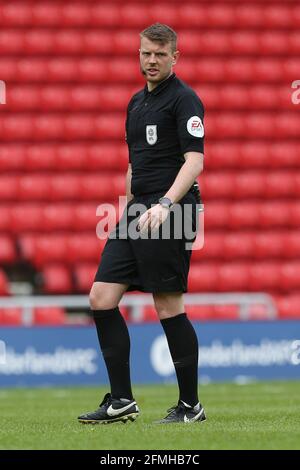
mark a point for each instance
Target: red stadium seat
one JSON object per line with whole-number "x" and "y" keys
{"x": 83, "y": 248}
{"x": 54, "y": 68}
{"x": 284, "y": 155}
{"x": 203, "y": 277}
{"x": 40, "y": 157}
{"x": 200, "y": 312}
{"x": 280, "y": 184}
{"x": 150, "y": 314}
{"x": 11, "y": 157}
{"x": 105, "y": 14}
{"x": 27, "y": 245}
{"x": 50, "y": 249}
{"x": 278, "y": 16}
{"x": 84, "y": 217}
{"x": 12, "y": 41}
{"x": 23, "y": 98}
{"x": 165, "y": 12}
{"x": 76, "y": 14}
{"x": 258, "y": 312}
{"x": 208, "y": 70}
{"x": 274, "y": 42}
{"x": 110, "y": 126}
{"x": 249, "y": 184}
{"x": 57, "y": 217}
{"x": 71, "y": 157}
{"x": 186, "y": 69}
{"x": 15, "y": 14}
{"x": 7, "y": 250}
{"x": 52, "y": 316}
{"x": 275, "y": 214}
{"x": 9, "y": 188}
{"x": 124, "y": 70}
{"x": 218, "y": 185}
{"x": 294, "y": 212}
{"x": 223, "y": 155}
{"x": 238, "y": 245}
{"x": 34, "y": 187}
{"x": 97, "y": 187}
{"x": 90, "y": 69}
{"x": 26, "y": 218}
{"x": 213, "y": 247}
{"x": 291, "y": 244}
{"x": 105, "y": 156}
{"x": 255, "y": 154}
{"x": 226, "y": 313}
{"x": 289, "y": 307}
{"x": 216, "y": 214}
{"x": 10, "y": 316}
{"x": 5, "y": 218}
{"x": 65, "y": 187}
{"x": 249, "y": 15}
{"x": 193, "y": 15}
{"x": 289, "y": 276}
{"x": 264, "y": 276}
{"x": 4, "y": 287}
{"x": 269, "y": 245}
{"x": 233, "y": 277}
{"x": 84, "y": 276}
{"x": 56, "y": 280}
{"x": 123, "y": 43}
{"x": 72, "y": 69}
{"x": 243, "y": 214}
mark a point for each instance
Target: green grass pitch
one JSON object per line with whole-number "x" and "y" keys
{"x": 253, "y": 416}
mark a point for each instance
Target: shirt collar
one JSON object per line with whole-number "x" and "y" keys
{"x": 159, "y": 87}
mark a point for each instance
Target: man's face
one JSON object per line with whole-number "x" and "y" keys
{"x": 156, "y": 60}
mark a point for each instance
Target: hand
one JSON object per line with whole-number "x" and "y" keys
{"x": 153, "y": 218}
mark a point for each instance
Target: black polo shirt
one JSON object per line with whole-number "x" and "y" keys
{"x": 161, "y": 126}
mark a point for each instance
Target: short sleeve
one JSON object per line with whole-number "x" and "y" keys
{"x": 189, "y": 112}
{"x": 126, "y": 130}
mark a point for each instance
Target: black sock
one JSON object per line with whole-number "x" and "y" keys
{"x": 115, "y": 346}
{"x": 183, "y": 345}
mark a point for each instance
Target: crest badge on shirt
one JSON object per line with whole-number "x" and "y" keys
{"x": 151, "y": 134}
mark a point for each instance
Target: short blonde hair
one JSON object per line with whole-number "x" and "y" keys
{"x": 162, "y": 34}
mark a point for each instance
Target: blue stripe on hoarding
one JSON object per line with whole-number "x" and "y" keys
{"x": 70, "y": 355}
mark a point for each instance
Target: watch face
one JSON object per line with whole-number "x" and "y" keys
{"x": 165, "y": 202}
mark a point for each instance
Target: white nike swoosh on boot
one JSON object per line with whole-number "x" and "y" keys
{"x": 112, "y": 412}
{"x": 187, "y": 420}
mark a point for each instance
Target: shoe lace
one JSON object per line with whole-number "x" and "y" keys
{"x": 175, "y": 408}
{"x": 107, "y": 399}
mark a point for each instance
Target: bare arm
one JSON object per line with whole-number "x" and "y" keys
{"x": 128, "y": 183}
{"x": 189, "y": 171}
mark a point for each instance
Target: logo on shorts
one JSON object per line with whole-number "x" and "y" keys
{"x": 195, "y": 126}
{"x": 151, "y": 134}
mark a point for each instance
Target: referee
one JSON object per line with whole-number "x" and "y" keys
{"x": 164, "y": 133}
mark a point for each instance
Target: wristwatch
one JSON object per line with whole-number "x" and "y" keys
{"x": 165, "y": 202}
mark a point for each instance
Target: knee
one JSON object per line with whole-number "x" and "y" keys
{"x": 168, "y": 305}
{"x": 163, "y": 310}
{"x": 99, "y": 300}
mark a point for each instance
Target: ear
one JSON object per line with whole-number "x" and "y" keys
{"x": 175, "y": 57}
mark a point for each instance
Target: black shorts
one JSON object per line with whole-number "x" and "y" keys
{"x": 150, "y": 265}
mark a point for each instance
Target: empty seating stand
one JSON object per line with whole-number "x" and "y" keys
{"x": 72, "y": 68}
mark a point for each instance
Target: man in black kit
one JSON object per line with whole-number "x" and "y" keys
{"x": 164, "y": 133}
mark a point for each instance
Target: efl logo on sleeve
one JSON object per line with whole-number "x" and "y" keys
{"x": 195, "y": 126}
